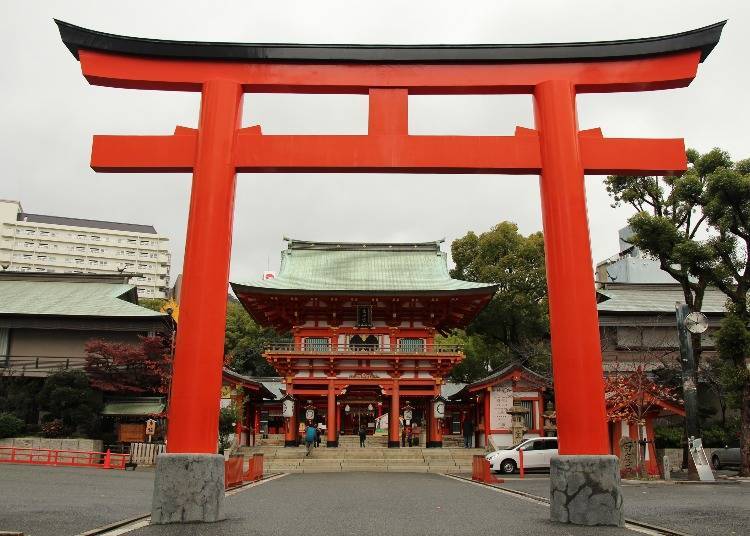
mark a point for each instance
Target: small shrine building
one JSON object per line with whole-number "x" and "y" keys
{"x": 363, "y": 319}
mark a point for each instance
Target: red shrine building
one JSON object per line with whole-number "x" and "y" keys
{"x": 363, "y": 318}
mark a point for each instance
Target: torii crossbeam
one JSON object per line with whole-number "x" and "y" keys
{"x": 556, "y": 150}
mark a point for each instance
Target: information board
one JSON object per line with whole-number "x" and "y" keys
{"x": 501, "y": 400}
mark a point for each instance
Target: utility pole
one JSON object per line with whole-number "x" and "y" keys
{"x": 689, "y": 387}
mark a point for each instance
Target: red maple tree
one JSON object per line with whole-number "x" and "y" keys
{"x": 630, "y": 397}
{"x": 142, "y": 368}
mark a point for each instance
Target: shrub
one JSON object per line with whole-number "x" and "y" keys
{"x": 53, "y": 428}
{"x": 10, "y": 425}
{"x": 668, "y": 437}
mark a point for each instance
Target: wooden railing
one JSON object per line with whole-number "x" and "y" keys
{"x": 317, "y": 348}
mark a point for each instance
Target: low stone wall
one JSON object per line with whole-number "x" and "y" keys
{"x": 675, "y": 457}
{"x": 87, "y": 445}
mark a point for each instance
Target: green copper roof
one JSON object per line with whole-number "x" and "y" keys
{"x": 20, "y": 296}
{"x": 144, "y": 405}
{"x": 364, "y": 267}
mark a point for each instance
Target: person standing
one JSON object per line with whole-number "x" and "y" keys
{"x": 310, "y": 435}
{"x": 317, "y": 435}
{"x": 362, "y": 435}
{"x": 468, "y": 430}
{"x": 409, "y": 432}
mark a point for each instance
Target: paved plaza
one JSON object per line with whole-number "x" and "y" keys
{"x": 50, "y": 501}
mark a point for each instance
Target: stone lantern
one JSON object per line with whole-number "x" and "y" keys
{"x": 517, "y": 423}
{"x": 550, "y": 420}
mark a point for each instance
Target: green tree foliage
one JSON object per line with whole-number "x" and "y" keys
{"x": 10, "y": 425}
{"x": 515, "y": 324}
{"x": 698, "y": 225}
{"x": 18, "y": 396}
{"x": 155, "y": 304}
{"x": 228, "y": 417}
{"x": 245, "y": 340}
{"x": 66, "y": 395}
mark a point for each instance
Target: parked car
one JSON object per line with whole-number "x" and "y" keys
{"x": 726, "y": 457}
{"x": 536, "y": 455}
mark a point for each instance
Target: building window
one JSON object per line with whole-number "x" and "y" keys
{"x": 79, "y": 261}
{"x": 145, "y": 242}
{"x": 360, "y": 344}
{"x": 44, "y": 246}
{"x": 528, "y": 417}
{"x": 411, "y": 344}
{"x": 95, "y": 238}
{"x": 130, "y": 253}
{"x": 81, "y": 237}
{"x": 30, "y": 231}
{"x": 44, "y": 233}
{"x": 316, "y": 344}
{"x": 364, "y": 316}
{"x": 80, "y": 248}
{"x": 28, "y": 244}
{"x": 41, "y": 257}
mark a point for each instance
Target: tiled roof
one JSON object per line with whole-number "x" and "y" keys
{"x": 64, "y": 298}
{"x": 81, "y": 222}
{"x": 336, "y": 266}
{"x": 653, "y": 298}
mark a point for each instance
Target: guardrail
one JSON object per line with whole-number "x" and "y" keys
{"x": 234, "y": 474}
{"x": 45, "y": 364}
{"x": 313, "y": 348}
{"x": 482, "y": 472}
{"x": 69, "y": 458}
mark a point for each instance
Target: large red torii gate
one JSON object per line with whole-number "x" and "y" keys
{"x": 553, "y": 73}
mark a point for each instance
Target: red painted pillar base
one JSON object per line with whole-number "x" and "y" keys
{"x": 394, "y": 439}
{"x": 332, "y": 439}
{"x": 199, "y": 352}
{"x": 574, "y": 326}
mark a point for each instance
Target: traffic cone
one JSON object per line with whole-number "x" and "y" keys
{"x": 107, "y": 460}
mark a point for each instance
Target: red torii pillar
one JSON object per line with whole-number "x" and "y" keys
{"x": 556, "y": 150}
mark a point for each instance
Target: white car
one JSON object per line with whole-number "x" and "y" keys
{"x": 537, "y": 452}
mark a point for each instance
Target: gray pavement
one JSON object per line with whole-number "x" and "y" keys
{"x": 338, "y": 504}
{"x": 61, "y": 501}
{"x": 701, "y": 509}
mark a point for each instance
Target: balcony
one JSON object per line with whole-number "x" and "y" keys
{"x": 346, "y": 350}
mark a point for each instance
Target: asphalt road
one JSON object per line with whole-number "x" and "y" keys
{"x": 700, "y": 509}
{"x": 339, "y": 504}
{"x": 61, "y": 501}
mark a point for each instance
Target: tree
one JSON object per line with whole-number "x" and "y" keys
{"x": 630, "y": 397}
{"x": 155, "y": 304}
{"x": 244, "y": 342}
{"x": 116, "y": 367}
{"x": 67, "y": 396}
{"x": 698, "y": 225}
{"x": 515, "y": 324}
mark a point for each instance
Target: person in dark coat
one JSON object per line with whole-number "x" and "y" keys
{"x": 362, "y": 435}
{"x": 468, "y": 430}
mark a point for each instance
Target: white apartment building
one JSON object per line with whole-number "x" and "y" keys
{"x": 40, "y": 243}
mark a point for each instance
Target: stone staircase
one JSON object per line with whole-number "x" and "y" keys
{"x": 374, "y": 457}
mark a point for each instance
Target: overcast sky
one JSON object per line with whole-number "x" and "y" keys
{"x": 48, "y": 114}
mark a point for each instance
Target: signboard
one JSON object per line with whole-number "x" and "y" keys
{"x": 700, "y": 459}
{"x": 310, "y": 414}
{"x": 150, "y": 428}
{"x": 501, "y": 400}
{"x": 628, "y": 455}
{"x": 131, "y": 433}
{"x": 407, "y": 415}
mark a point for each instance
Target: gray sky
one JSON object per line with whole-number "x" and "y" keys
{"x": 48, "y": 114}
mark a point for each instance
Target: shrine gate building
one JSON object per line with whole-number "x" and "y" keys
{"x": 363, "y": 319}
